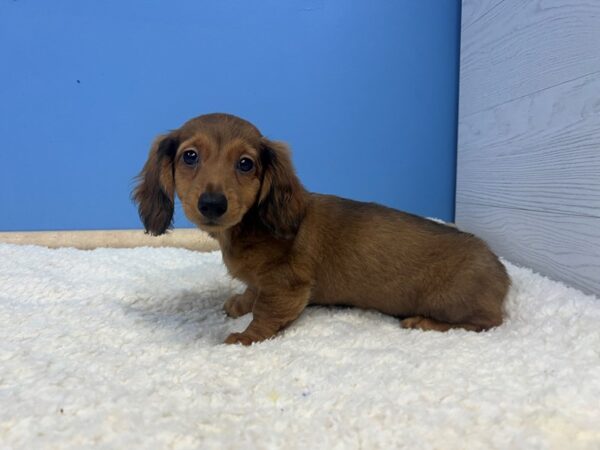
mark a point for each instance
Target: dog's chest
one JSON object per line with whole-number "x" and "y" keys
{"x": 252, "y": 260}
{"x": 241, "y": 263}
{"x": 235, "y": 266}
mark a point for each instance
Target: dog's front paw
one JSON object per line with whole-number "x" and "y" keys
{"x": 238, "y": 305}
{"x": 239, "y": 338}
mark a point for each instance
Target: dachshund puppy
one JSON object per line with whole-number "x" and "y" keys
{"x": 293, "y": 248}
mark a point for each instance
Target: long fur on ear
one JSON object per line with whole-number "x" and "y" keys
{"x": 281, "y": 202}
{"x": 155, "y": 191}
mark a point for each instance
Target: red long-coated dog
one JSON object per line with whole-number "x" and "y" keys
{"x": 293, "y": 248}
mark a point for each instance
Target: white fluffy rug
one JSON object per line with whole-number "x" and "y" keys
{"x": 122, "y": 349}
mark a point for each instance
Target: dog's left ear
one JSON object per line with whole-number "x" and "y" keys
{"x": 155, "y": 192}
{"x": 282, "y": 198}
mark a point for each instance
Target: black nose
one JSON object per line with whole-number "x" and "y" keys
{"x": 212, "y": 205}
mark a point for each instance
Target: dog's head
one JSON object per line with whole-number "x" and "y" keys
{"x": 221, "y": 168}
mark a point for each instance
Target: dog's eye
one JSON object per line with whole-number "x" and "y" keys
{"x": 245, "y": 164}
{"x": 190, "y": 157}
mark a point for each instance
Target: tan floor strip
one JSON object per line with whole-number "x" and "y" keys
{"x": 189, "y": 238}
{"x": 192, "y": 239}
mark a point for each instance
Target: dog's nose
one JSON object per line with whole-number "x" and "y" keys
{"x": 212, "y": 205}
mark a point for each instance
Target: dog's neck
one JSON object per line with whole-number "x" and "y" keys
{"x": 249, "y": 232}
{"x": 229, "y": 238}
{"x": 246, "y": 246}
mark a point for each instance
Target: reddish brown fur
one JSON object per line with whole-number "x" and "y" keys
{"x": 293, "y": 248}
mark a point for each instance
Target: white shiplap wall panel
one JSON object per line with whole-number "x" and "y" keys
{"x": 528, "y": 172}
{"x": 539, "y": 152}
{"x": 477, "y": 9}
{"x": 560, "y": 246}
{"x": 523, "y": 46}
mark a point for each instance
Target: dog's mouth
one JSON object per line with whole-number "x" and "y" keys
{"x": 210, "y": 223}
{"x": 212, "y": 226}
{"x": 215, "y": 224}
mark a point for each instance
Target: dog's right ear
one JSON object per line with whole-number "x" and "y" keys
{"x": 155, "y": 191}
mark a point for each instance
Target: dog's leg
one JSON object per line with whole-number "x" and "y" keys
{"x": 425, "y": 323}
{"x": 271, "y": 313}
{"x": 240, "y": 304}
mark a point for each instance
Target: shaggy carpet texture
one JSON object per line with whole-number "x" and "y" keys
{"x": 123, "y": 349}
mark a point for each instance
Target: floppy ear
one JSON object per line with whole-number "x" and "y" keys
{"x": 155, "y": 191}
{"x": 281, "y": 202}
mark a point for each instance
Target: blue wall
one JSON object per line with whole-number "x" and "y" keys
{"x": 364, "y": 91}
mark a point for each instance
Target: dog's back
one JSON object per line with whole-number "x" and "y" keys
{"x": 371, "y": 256}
